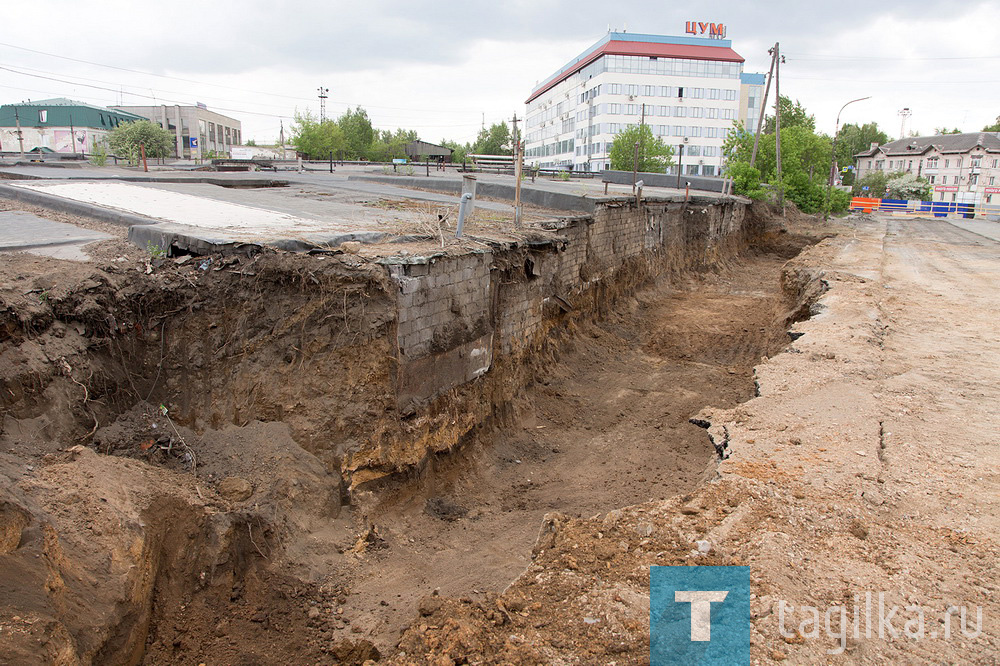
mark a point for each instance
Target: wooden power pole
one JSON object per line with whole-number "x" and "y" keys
{"x": 20, "y": 135}
{"x": 518, "y": 161}
{"x": 777, "y": 123}
{"x": 763, "y": 104}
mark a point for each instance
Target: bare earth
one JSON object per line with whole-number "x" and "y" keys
{"x": 866, "y": 463}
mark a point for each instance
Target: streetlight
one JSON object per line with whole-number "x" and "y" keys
{"x": 833, "y": 157}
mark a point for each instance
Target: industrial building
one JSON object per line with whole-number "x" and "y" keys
{"x": 58, "y": 125}
{"x": 198, "y": 132}
{"x": 963, "y": 168}
{"x": 689, "y": 90}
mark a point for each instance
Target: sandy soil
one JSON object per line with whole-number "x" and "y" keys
{"x": 867, "y": 465}
{"x": 860, "y": 459}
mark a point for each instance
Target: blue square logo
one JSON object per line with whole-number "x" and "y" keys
{"x": 699, "y": 615}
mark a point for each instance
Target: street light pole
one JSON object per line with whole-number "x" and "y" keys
{"x": 833, "y": 157}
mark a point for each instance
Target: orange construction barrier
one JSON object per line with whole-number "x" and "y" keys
{"x": 865, "y": 204}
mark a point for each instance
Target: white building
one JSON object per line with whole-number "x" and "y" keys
{"x": 963, "y": 168}
{"x": 688, "y": 89}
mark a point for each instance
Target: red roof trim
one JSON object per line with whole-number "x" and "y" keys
{"x": 650, "y": 49}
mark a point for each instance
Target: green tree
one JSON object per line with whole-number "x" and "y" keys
{"x": 654, "y": 155}
{"x": 316, "y": 140}
{"x": 876, "y": 182}
{"x": 127, "y": 137}
{"x": 390, "y": 145}
{"x": 459, "y": 150}
{"x": 945, "y": 130}
{"x": 494, "y": 140}
{"x": 793, "y": 114}
{"x": 853, "y": 139}
{"x": 358, "y": 133}
{"x": 995, "y": 127}
{"x": 805, "y": 165}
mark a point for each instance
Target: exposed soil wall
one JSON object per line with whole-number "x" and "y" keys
{"x": 294, "y": 383}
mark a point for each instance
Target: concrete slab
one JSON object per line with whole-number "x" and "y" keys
{"x": 201, "y": 222}
{"x": 20, "y": 230}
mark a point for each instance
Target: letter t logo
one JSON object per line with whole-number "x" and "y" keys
{"x": 701, "y": 611}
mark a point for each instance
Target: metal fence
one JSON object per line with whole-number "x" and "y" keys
{"x": 916, "y": 208}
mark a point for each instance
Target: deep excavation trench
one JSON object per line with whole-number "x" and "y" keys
{"x": 263, "y": 553}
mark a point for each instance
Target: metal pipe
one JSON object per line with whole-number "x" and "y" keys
{"x": 463, "y": 208}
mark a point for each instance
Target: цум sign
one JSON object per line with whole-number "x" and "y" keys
{"x": 714, "y": 30}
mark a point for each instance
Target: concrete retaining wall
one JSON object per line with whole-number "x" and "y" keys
{"x": 703, "y": 183}
{"x": 458, "y": 315}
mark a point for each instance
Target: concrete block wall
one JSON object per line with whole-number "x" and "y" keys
{"x": 457, "y": 312}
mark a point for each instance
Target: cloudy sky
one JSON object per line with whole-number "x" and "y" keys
{"x": 444, "y": 68}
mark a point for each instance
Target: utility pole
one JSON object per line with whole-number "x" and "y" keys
{"x": 642, "y": 133}
{"x": 635, "y": 166}
{"x": 20, "y": 135}
{"x": 777, "y": 123}
{"x": 517, "y": 175}
{"x": 281, "y": 137}
{"x": 72, "y": 134}
{"x": 322, "y": 103}
{"x": 763, "y": 105}
{"x": 680, "y": 159}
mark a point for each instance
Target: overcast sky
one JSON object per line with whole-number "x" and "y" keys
{"x": 443, "y": 68}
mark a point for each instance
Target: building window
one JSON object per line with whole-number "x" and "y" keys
{"x": 632, "y": 90}
{"x": 713, "y": 112}
{"x": 869, "y": 164}
{"x": 43, "y": 115}
{"x": 974, "y": 179}
{"x": 932, "y": 179}
{"x": 956, "y": 180}
{"x": 680, "y": 91}
{"x": 993, "y": 180}
{"x": 696, "y": 112}
{"x": 976, "y": 161}
{"x": 932, "y": 163}
{"x": 946, "y": 163}
{"x": 954, "y": 196}
{"x": 989, "y": 198}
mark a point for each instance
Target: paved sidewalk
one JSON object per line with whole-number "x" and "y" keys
{"x": 22, "y": 231}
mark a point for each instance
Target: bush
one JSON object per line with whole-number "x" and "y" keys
{"x": 127, "y": 137}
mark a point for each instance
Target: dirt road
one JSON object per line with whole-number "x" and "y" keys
{"x": 868, "y": 464}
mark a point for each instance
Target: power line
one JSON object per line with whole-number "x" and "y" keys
{"x": 216, "y": 85}
{"x": 810, "y": 56}
{"x": 158, "y": 101}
